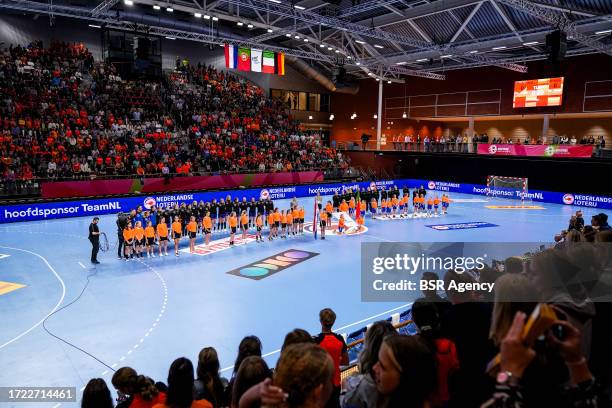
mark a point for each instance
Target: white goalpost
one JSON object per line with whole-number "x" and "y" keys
{"x": 515, "y": 188}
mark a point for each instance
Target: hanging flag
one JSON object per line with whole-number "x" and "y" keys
{"x": 255, "y": 60}
{"x": 268, "y": 62}
{"x": 358, "y": 209}
{"x": 280, "y": 63}
{"x": 231, "y": 57}
{"x": 244, "y": 59}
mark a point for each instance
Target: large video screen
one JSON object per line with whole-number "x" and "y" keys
{"x": 538, "y": 92}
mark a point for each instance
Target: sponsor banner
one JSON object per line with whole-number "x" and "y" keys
{"x": 574, "y": 151}
{"x": 274, "y": 264}
{"x": 91, "y": 207}
{"x": 582, "y": 200}
{"x": 71, "y": 189}
{"x": 463, "y": 225}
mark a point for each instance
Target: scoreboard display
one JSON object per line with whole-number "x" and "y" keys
{"x": 538, "y": 92}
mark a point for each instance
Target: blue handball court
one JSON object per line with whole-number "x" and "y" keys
{"x": 145, "y": 313}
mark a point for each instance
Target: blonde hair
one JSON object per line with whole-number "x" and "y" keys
{"x": 513, "y": 292}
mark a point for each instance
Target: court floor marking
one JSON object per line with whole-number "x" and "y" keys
{"x": 56, "y": 306}
{"x": 338, "y": 329}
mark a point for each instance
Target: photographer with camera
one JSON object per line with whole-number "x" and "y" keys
{"x": 122, "y": 222}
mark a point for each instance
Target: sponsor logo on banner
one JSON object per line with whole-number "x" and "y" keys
{"x": 592, "y": 201}
{"x": 264, "y": 195}
{"x": 492, "y": 149}
{"x": 568, "y": 199}
{"x": 549, "y": 151}
{"x": 464, "y": 225}
{"x": 431, "y": 185}
{"x": 274, "y": 264}
{"x": 149, "y": 202}
{"x": 168, "y": 201}
{"x": 219, "y": 245}
{"x": 373, "y": 185}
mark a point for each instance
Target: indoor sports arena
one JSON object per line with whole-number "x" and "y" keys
{"x": 305, "y": 203}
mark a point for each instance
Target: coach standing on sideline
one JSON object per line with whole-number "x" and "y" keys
{"x": 122, "y": 221}
{"x": 94, "y": 238}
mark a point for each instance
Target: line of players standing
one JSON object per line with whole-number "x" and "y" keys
{"x": 138, "y": 230}
{"x": 370, "y": 194}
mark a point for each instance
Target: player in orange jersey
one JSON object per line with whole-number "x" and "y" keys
{"x": 323, "y": 223}
{"x": 341, "y": 224}
{"x": 192, "y": 231}
{"x": 162, "y": 236}
{"x": 207, "y": 227}
{"x": 360, "y": 222}
{"x": 436, "y": 204}
{"x": 259, "y": 226}
{"x": 244, "y": 225}
{"x": 270, "y": 226}
{"x": 177, "y": 234}
{"x": 233, "y": 224}
{"x": 139, "y": 240}
{"x": 150, "y": 238}
{"x": 128, "y": 237}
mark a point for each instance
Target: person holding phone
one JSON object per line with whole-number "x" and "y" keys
{"x": 516, "y": 356}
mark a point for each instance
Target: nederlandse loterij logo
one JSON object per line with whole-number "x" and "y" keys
{"x": 492, "y": 149}
{"x": 273, "y": 264}
{"x": 431, "y": 185}
{"x": 568, "y": 199}
{"x": 149, "y": 202}
{"x": 264, "y": 195}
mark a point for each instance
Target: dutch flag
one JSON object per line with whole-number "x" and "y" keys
{"x": 231, "y": 57}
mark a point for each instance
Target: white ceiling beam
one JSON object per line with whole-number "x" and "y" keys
{"x": 419, "y": 31}
{"x": 506, "y": 18}
{"x": 466, "y": 22}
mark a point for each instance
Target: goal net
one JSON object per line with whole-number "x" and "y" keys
{"x": 507, "y": 187}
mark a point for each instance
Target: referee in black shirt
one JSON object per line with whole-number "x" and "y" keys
{"x": 94, "y": 238}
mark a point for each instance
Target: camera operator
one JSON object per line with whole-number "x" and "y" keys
{"x": 122, "y": 221}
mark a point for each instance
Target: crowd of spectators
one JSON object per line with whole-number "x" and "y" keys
{"x": 539, "y": 361}
{"x": 63, "y": 115}
{"x": 467, "y": 144}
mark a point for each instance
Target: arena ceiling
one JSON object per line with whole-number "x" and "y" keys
{"x": 384, "y": 39}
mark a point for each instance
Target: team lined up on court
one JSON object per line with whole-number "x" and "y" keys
{"x": 141, "y": 230}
